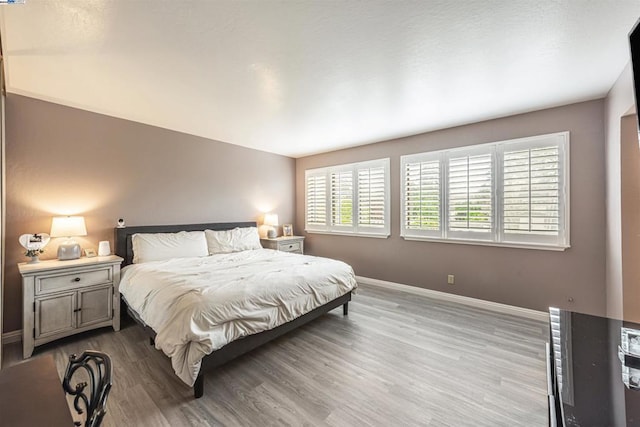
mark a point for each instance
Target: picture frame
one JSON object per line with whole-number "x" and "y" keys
{"x": 90, "y": 253}
{"x": 287, "y": 230}
{"x": 36, "y": 241}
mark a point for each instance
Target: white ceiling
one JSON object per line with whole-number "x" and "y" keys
{"x": 302, "y": 77}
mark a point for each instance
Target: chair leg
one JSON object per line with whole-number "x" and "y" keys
{"x": 90, "y": 396}
{"x": 345, "y": 309}
{"x": 198, "y": 386}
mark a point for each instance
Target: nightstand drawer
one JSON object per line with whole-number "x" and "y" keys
{"x": 293, "y": 244}
{"x": 55, "y": 283}
{"x": 290, "y": 247}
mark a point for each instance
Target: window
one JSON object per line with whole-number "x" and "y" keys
{"x": 316, "y": 200}
{"x": 349, "y": 199}
{"x": 341, "y": 198}
{"x": 422, "y": 198}
{"x": 469, "y": 184}
{"x": 511, "y": 193}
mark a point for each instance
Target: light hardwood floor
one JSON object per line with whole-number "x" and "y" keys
{"x": 396, "y": 360}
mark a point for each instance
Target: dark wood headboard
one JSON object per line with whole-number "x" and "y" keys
{"x": 122, "y": 236}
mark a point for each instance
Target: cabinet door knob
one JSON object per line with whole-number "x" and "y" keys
{"x": 77, "y": 310}
{"x": 77, "y": 279}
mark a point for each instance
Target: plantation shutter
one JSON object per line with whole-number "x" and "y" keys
{"x": 371, "y": 197}
{"x": 531, "y": 191}
{"x": 422, "y": 196}
{"x": 470, "y": 199}
{"x": 316, "y": 197}
{"x": 342, "y": 198}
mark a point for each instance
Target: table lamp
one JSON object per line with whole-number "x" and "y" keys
{"x": 272, "y": 221}
{"x": 68, "y": 226}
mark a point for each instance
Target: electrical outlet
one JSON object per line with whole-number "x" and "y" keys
{"x": 451, "y": 279}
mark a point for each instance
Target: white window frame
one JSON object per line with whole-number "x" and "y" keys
{"x": 434, "y": 156}
{"x": 496, "y": 236}
{"x": 354, "y": 229}
{"x": 476, "y": 150}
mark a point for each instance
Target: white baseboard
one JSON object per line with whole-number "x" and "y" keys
{"x": 11, "y": 337}
{"x": 487, "y": 305}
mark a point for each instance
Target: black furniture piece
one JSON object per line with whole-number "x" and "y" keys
{"x": 30, "y": 395}
{"x": 592, "y": 379}
{"x": 94, "y": 391}
{"x": 235, "y": 348}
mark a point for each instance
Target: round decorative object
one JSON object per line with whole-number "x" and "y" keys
{"x": 121, "y": 223}
{"x": 34, "y": 241}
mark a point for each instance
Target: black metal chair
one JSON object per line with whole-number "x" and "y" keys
{"x": 97, "y": 371}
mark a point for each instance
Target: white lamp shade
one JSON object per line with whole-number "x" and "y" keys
{"x": 271, "y": 219}
{"x": 68, "y": 226}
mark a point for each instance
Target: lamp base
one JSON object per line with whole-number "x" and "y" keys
{"x": 272, "y": 233}
{"x": 67, "y": 251}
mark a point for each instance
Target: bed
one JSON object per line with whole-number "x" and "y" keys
{"x": 308, "y": 288}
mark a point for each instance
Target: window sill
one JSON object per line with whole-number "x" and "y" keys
{"x": 541, "y": 246}
{"x": 337, "y": 233}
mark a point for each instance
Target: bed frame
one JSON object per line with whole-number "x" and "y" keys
{"x": 235, "y": 348}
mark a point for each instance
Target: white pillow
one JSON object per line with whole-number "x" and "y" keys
{"x": 236, "y": 240}
{"x": 160, "y": 246}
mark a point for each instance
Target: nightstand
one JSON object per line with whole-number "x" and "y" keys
{"x": 293, "y": 244}
{"x": 62, "y": 298}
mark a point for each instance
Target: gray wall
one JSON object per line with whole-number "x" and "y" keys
{"x": 619, "y": 102}
{"x": 533, "y": 279}
{"x": 630, "y": 220}
{"x": 62, "y": 160}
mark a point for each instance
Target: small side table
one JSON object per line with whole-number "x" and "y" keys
{"x": 293, "y": 244}
{"x": 62, "y": 298}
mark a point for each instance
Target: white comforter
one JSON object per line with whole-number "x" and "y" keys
{"x": 198, "y": 305}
